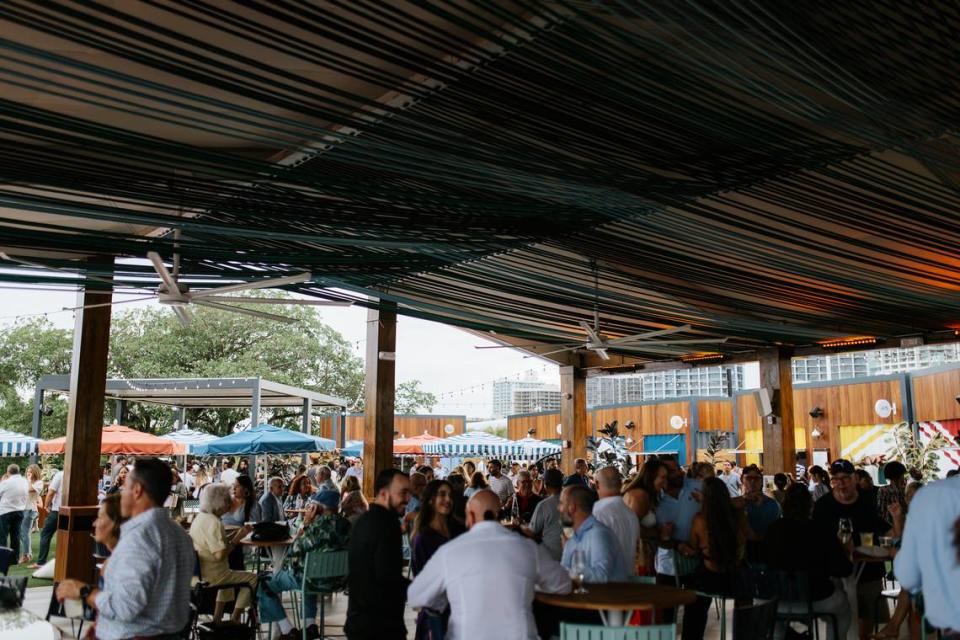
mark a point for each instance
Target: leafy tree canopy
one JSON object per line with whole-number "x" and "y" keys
{"x": 150, "y": 343}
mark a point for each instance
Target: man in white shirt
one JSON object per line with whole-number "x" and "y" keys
{"x": 13, "y": 502}
{"x": 499, "y": 483}
{"x": 611, "y": 510}
{"x": 545, "y": 523}
{"x": 228, "y": 476}
{"x": 488, "y": 576}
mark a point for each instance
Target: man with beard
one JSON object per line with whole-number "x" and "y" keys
{"x": 378, "y": 590}
{"x": 679, "y": 503}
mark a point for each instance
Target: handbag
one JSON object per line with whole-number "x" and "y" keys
{"x": 270, "y": 532}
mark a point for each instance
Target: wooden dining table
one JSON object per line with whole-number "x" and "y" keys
{"x": 616, "y": 601}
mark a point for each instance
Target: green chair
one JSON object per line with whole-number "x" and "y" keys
{"x": 321, "y": 566}
{"x": 595, "y": 632}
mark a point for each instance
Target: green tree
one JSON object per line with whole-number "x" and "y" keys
{"x": 411, "y": 399}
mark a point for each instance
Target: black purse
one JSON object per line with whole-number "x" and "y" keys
{"x": 270, "y": 532}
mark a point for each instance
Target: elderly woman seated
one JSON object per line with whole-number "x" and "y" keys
{"x": 213, "y": 545}
{"x": 323, "y": 530}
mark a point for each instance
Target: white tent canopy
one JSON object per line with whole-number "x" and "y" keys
{"x": 17, "y": 444}
{"x": 479, "y": 443}
{"x": 189, "y": 438}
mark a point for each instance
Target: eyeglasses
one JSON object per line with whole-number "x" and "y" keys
{"x": 840, "y": 477}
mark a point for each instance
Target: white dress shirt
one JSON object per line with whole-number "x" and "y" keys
{"x": 56, "y": 486}
{"x": 13, "y": 494}
{"x": 501, "y": 486}
{"x": 618, "y": 517}
{"x": 488, "y": 575}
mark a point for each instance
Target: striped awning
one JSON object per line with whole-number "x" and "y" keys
{"x": 17, "y": 444}
{"x": 479, "y": 443}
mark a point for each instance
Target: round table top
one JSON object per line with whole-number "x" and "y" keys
{"x": 266, "y": 543}
{"x": 622, "y": 596}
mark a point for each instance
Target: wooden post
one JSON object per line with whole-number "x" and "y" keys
{"x": 573, "y": 416}
{"x": 779, "y": 446}
{"x": 379, "y": 393}
{"x": 81, "y": 466}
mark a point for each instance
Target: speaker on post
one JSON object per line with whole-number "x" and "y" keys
{"x": 764, "y": 401}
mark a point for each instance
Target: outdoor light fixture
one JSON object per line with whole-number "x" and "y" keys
{"x": 702, "y": 358}
{"x": 846, "y": 343}
{"x": 630, "y": 425}
{"x": 46, "y": 410}
{"x": 816, "y": 412}
{"x": 816, "y": 433}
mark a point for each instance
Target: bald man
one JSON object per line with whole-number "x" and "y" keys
{"x": 613, "y": 512}
{"x": 488, "y": 576}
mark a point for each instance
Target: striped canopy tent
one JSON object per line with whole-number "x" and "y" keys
{"x": 534, "y": 449}
{"x": 188, "y": 439}
{"x": 118, "y": 439}
{"x": 17, "y": 444}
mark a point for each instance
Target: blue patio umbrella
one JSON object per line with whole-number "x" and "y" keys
{"x": 264, "y": 438}
{"x": 353, "y": 449}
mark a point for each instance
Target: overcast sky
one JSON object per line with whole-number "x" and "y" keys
{"x": 442, "y": 357}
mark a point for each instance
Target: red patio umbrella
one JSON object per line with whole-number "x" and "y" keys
{"x": 412, "y": 446}
{"x": 118, "y": 439}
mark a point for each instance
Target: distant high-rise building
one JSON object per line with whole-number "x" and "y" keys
{"x": 536, "y": 400}
{"x": 873, "y": 363}
{"x": 721, "y": 380}
{"x": 504, "y": 394}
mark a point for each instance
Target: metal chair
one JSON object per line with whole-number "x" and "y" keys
{"x": 755, "y": 622}
{"x": 596, "y": 632}
{"x": 321, "y": 566}
{"x": 794, "y": 586}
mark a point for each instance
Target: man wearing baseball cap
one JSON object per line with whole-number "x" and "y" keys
{"x": 845, "y": 502}
{"x": 323, "y": 530}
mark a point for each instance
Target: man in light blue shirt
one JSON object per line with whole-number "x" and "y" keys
{"x": 927, "y": 560}
{"x": 146, "y": 590}
{"x": 679, "y": 503}
{"x": 604, "y": 560}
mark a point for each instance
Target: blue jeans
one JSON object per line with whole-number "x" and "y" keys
{"x": 268, "y": 598}
{"x": 29, "y": 517}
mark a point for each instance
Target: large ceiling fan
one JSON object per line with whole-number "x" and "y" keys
{"x": 178, "y": 296}
{"x": 638, "y": 342}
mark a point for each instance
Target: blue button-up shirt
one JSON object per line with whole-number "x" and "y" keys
{"x": 604, "y": 559}
{"x": 146, "y": 585}
{"x": 927, "y": 560}
{"x": 680, "y": 511}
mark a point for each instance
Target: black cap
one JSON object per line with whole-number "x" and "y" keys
{"x": 841, "y": 466}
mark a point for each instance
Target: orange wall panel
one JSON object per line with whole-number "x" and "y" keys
{"x": 934, "y": 395}
{"x": 544, "y": 425}
{"x": 715, "y": 415}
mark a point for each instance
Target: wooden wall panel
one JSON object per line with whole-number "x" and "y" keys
{"x": 715, "y": 415}
{"x": 408, "y": 426}
{"x": 544, "y": 424}
{"x": 843, "y": 404}
{"x": 934, "y": 395}
{"x": 747, "y": 416}
{"x": 651, "y": 419}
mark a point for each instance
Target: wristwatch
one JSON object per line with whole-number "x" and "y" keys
{"x": 85, "y": 592}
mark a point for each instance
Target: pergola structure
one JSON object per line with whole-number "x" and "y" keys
{"x": 182, "y": 394}
{"x": 781, "y": 177}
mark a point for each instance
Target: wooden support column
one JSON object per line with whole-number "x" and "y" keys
{"x": 379, "y": 393}
{"x": 573, "y": 416}
{"x": 81, "y": 466}
{"x": 779, "y": 448}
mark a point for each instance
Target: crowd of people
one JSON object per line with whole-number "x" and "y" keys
{"x": 476, "y": 543}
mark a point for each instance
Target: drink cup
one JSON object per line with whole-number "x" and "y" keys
{"x": 866, "y": 539}
{"x": 72, "y": 608}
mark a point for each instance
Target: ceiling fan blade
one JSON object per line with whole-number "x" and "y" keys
{"x": 650, "y": 334}
{"x": 602, "y": 353}
{"x": 550, "y": 353}
{"x": 257, "y": 284}
{"x": 184, "y": 316}
{"x": 248, "y": 312}
{"x": 591, "y": 333}
{"x": 37, "y": 265}
{"x": 107, "y": 304}
{"x": 521, "y": 346}
{"x": 236, "y": 299}
{"x": 172, "y": 287}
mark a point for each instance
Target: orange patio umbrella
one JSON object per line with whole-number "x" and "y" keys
{"x": 118, "y": 439}
{"x": 412, "y": 446}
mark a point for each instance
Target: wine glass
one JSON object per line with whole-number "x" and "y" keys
{"x": 578, "y": 566}
{"x": 845, "y": 530}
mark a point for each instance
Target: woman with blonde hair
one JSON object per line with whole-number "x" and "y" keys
{"x": 353, "y": 504}
{"x": 35, "y": 488}
{"x": 200, "y": 481}
{"x": 213, "y": 547}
